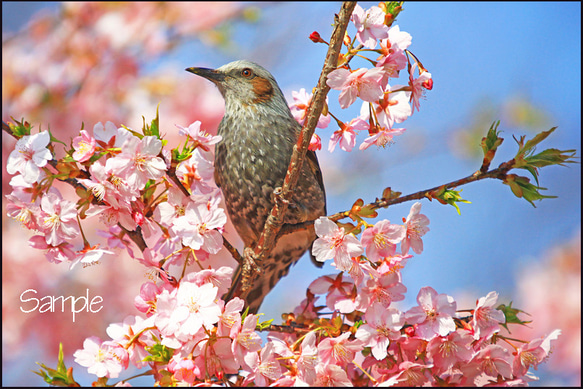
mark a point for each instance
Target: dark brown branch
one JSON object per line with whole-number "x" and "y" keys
{"x": 275, "y": 219}
{"x": 498, "y": 173}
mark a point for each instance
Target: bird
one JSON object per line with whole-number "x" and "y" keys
{"x": 258, "y": 134}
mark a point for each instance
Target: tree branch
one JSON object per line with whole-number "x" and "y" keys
{"x": 275, "y": 219}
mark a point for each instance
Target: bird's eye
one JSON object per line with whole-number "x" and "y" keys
{"x": 247, "y": 72}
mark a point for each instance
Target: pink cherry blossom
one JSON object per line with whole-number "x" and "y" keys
{"x": 299, "y": 108}
{"x": 434, "y": 314}
{"x": 364, "y": 83}
{"x": 384, "y": 289}
{"x": 370, "y": 25}
{"x": 308, "y": 359}
{"x": 265, "y": 368}
{"x": 381, "y": 138}
{"x": 198, "y": 227}
{"x": 416, "y": 224}
{"x": 183, "y": 369}
{"x": 332, "y": 242}
{"x": 104, "y": 359}
{"x": 201, "y": 138}
{"x": 339, "y": 350}
{"x": 492, "y": 360}
{"x": 63, "y": 252}
{"x": 84, "y": 146}
{"x": 393, "y": 108}
{"x": 103, "y": 134}
{"x": 331, "y": 376}
{"x": 198, "y": 302}
{"x": 315, "y": 143}
{"x": 146, "y": 301}
{"x": 90, "y": 255}
{"x": 20, "y": 207}
{"x": 59, "y": 219}
{"x": 486, "y": 317}
{"x": 393, "y": 58}
{"x": 215, "y": 358}
{"x": 380, "y": 240}
{"x": 533, "y": 353}
{"x": 184, "y": 311}
{"x": 382, "y": 326}
{"x": 418, "y": 85}
{"x": 410, "y": 374}
{"x": 29, "y": 155}
{"x": 246, "y": 342}
{"x": 449, "y": 350}
{"x": 123, "y": 333}
{"x": 346, "y": 135}
{"x": 138, "y": 161}
{"x": 221, "y": 278}
{"x": 230, "y": 317}
{"x": 197, "y": 172}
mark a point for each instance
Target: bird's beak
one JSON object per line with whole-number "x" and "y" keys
{"x": 210, "y": 74}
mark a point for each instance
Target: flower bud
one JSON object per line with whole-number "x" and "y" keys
{"x": 315, "y": 37}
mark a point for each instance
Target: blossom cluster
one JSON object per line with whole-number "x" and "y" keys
{"x": 191, "y": 336}
{"x": 188, "y": 333}
{"x": 383, "y": 105}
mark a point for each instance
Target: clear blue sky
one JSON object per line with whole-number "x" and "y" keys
{"x": 476, "y": 52}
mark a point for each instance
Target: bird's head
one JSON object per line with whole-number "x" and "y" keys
{"x": 245, "y": 85}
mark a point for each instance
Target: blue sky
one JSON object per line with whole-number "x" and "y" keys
{"x": 480, "y": 54}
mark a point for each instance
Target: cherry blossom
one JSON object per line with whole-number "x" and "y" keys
{"x": 59, "y": 219}
{"x": 315, "y": 143}
{"x": 370, "y": 25}
{"x": 446, "y": 351}
{"x": 333, "y": 242}
{"x": 200, "y": 138}
{"x": 331, "y": 376}
{"x": 198, "y": 227}
{"x": 434, "y": 314}
{"x": 533, "y": 353}
{"x": 339, "y": 350}
{"x": 416, "y": 224}
{"x": 30, "y": 154}
{"x": 246, "y": 342}
{"x": 364, "y": 83}
{"x": 380, "y": 239}
{"x": 346, "y": 135}
{"x": 393, "y": 58}
{"x": 419, "y": 85}
{"x": 486, "y": 317}
{"x": 299, "y": 108}
{"x": 138, "y": 161}
{"x": 20, "y": 207}
{"x": 197, "y": 172}
{"x": 382, "y": 326}
{"x": 84, "y": 146}
{"x": 392, "y": 108}
{"x": 265, "y": 368}
{"x": 63, "y": 252}
{"x": 104, "y": 359}
{"x": 90, "y": 255}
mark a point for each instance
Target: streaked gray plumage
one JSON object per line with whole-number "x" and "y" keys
{"x": 251, "y": 160}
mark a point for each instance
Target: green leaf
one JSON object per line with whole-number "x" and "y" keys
{"x": 491, "y": 141}
{"x": 511, "y": 315}
{"x": 61, "y": 376}
{"x": 522, "y": 188}
{"x": 159, "y": 353}
{"x": 154, "y": 128}
{"x": 19, "y": 128}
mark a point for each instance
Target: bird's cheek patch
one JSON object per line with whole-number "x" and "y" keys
{"x": 262, "y": 88}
